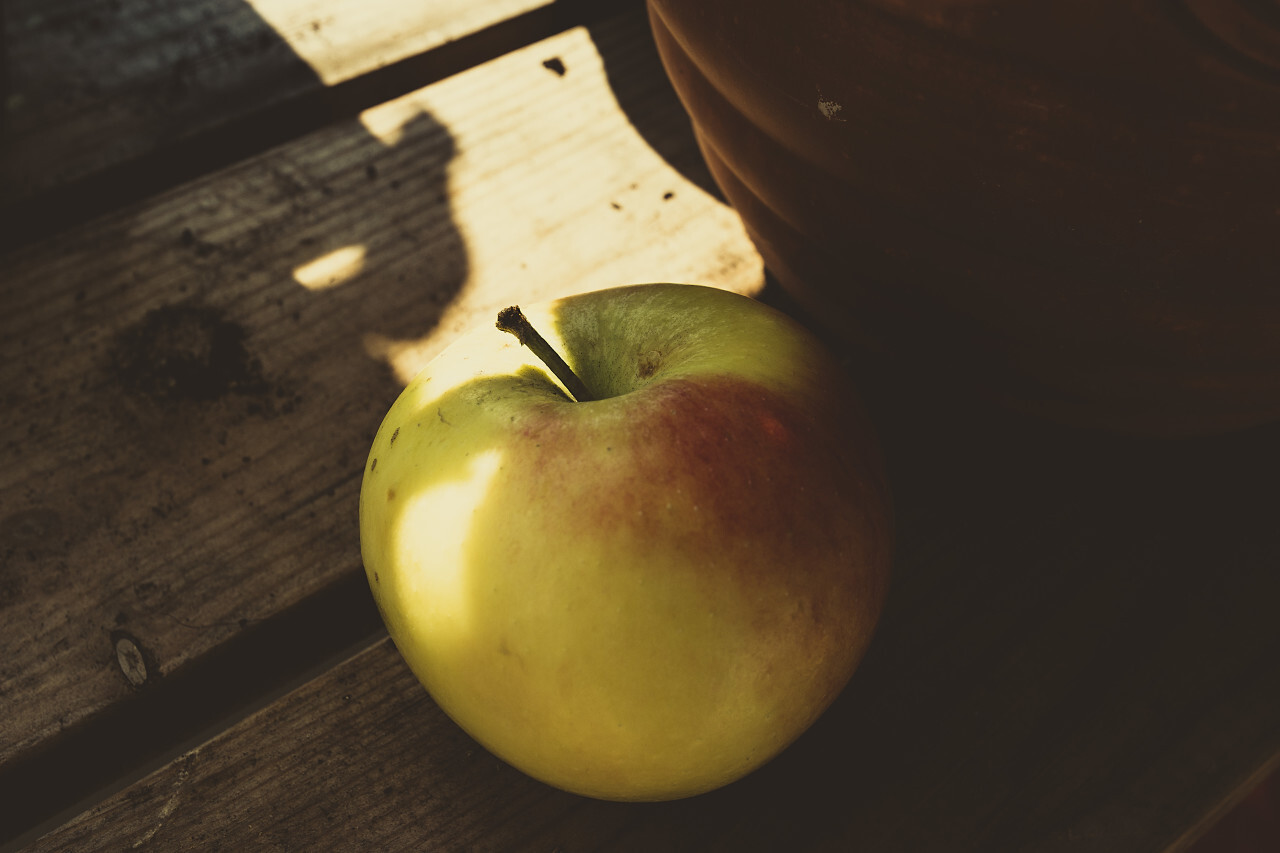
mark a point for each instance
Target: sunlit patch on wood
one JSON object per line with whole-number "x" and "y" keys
{"x": 331, "y": 269}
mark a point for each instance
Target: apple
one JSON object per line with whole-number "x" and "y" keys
{"x": 648, "y": 591}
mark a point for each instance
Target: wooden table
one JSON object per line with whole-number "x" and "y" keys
{"x": 232, "y": 231}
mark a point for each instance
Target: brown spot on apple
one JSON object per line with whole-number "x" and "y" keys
{"x": 648, "y": 364}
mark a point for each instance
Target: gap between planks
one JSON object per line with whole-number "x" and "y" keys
{"x": 235, "y": 119}
{"x": 187, "y": 711}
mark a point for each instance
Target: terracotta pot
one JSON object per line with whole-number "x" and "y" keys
{"x": 1073, "y": 204}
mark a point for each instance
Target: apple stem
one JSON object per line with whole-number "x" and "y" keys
{"x": 513, "y": 321}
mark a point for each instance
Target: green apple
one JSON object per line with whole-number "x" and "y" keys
{"x": 648, "y": 594}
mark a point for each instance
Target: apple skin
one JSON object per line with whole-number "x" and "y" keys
{"x": 649, "y": 595}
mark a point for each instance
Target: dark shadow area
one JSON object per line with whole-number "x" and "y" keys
{"x": 1055, "y": 592}
{"x": 4, "y": 72}
{"x": 1241, "y": 33}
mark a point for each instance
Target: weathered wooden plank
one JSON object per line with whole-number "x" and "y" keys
{"x": 95, "y": 82}
{"x": 1080, "y": 653}
{"x": 191, "y": 384}
{"x": 108, "y": 99}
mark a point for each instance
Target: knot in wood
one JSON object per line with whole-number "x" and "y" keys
{"x": 131, "y": 659}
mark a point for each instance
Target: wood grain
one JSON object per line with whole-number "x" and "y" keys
{"x": 1079, "y": 653}
{"x": 192, "y": 383}
{"x": 109, "y": 102}
{"x": 140, "y": 75}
